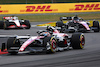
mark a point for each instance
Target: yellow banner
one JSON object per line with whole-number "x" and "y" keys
{"x": 50, "y": 8}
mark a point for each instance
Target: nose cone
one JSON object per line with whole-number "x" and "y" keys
{"x": 21, "y": 49}
{"x": 17, "y": 23}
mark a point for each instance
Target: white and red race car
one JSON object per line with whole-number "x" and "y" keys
{"x": 76, "y": 24}
{"x": 48, "y": 41}
{"x": 13, "y": 22}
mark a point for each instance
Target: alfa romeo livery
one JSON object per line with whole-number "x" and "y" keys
{"x": 76, "y": 24}
{"x": 49, "y": 41}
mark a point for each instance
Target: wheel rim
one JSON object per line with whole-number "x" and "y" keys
{"x": 53, "y": 46}
{"x": 82, "y": 39}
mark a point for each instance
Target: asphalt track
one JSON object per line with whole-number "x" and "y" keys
{"x": 87, "y": 57}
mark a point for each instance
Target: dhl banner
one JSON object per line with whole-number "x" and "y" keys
{"x": 50, "y": 8}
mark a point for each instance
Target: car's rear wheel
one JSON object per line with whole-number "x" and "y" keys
{"x": 96, "y": 24}
{"x": 1, "y": 24}
{"x": 27, "y": 23}
{"x": 12, "y": 43}
{"x": 78, "y": 41}
{"x": 50, "y": 43}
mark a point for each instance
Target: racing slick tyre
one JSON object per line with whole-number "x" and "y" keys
{"x": 50, "y": 43}
{"x": 78, "y": 41}
{"x": 6, "y": 24}
{"x": 27, "y": 23}
{"x": 13, "y": 45}
{"x": 59, "y": 23}
{"x": 96, "y": 24}
{"x": 1, "y": 24}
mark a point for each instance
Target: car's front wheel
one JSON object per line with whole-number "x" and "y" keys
{"x": 78, "y": 41}
{"x": 13, "y": 45}
{"x": 6, "y": 24}
{"x": 1, "y": 24}
{"x": 50, "y": 43}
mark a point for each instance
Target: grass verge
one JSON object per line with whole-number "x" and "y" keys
{"x": 55, "y": 17}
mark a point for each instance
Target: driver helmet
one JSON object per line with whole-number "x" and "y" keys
{"x": 14, "y": 17}
{"x": 45, "y": 34}
{"x": 76, "y": 18}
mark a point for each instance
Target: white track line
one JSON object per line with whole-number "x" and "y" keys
{"x": 33, "y": 25}
{"x": 7, "y": 35}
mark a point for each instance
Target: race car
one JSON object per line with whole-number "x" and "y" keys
{"x": 49, "y": 41}
{"x": 13, "y": 22}
{"x": 76, "y": 24}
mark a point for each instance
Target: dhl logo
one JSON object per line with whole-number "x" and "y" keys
{"x": 87, "y": 7}
{"x": 38, "y": 9}
{"x": 1, "y": 11}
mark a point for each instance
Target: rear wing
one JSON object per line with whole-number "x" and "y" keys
{"x": 9, "y": 18}
{"x": 6, "y": 18}
{"x": 65, "y": 18}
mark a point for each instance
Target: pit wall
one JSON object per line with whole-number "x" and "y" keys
{"x": 50, "y": 8}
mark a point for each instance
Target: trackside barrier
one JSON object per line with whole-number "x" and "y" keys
{"x": 54, "y": 23}
{"x": 50, "y": 8}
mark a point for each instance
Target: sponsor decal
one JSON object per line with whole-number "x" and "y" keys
{"x": 4, "y": 52}
{"x": 38, "y": 9}
{"x": 3, "y": 11}
{"x": 50, "y": 8}
{"x": 0, "y": 8}
{"x": 86, "y": 7}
